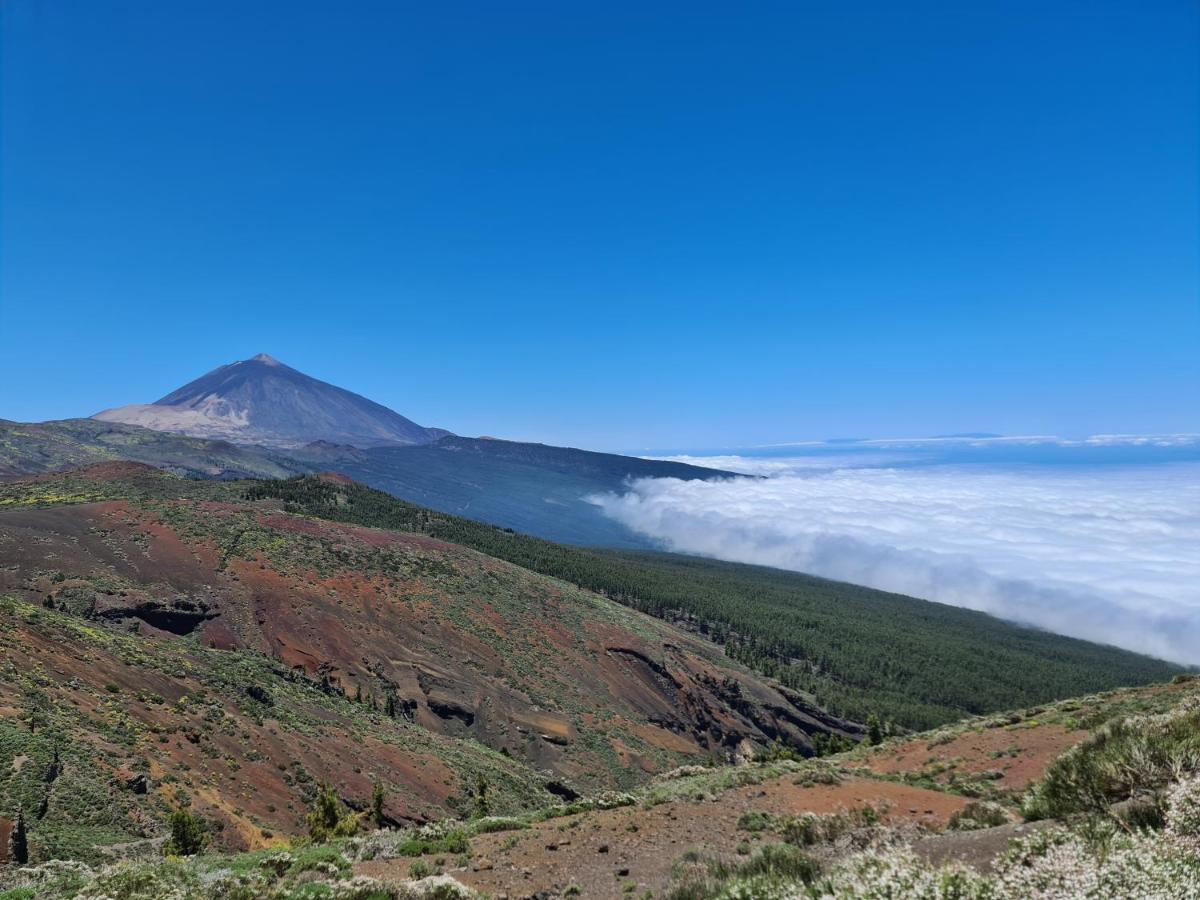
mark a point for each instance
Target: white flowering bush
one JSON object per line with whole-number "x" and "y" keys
{"x": 435, "y": 887}
{"x": 277, "y": 863}
{"x": 170, "y": 880}
{"x": 682, "y": 772}
{"x": 1183, "y": 815}
{"x": 1099, "y": 863}
{"x": 382, "y": 844}
{"x": 1094, "y": 860}
{"x": 56, "y": 876}
{"x": 490, "y": 824}
{"x": 899, "y": 875}
{"x": 436, "y": 831}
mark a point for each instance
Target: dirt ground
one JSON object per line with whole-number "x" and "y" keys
{"x": 606, "y": 852}
{"x": 1020, "y": 753}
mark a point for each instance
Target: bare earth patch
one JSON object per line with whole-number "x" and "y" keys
{"x": 604, "y": 852}
{"x": 1020, "y": 753}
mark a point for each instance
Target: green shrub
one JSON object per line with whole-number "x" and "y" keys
{"x": 420, "y": 869}
{"x": 454, "y": 842}
{"x": 754, "y": 821}
{"x": 1123, "y": 758}
{"x": 977, "y": 814}
{"x": 782, "y": 861}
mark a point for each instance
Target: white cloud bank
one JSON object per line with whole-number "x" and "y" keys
{"x": 1110, "y": 554}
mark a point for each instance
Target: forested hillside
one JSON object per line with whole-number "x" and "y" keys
{"x": 533, "y": 488}
{"x": 858, "y": 651}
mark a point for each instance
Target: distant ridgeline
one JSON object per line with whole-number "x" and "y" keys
{"x": 856, "y": 650}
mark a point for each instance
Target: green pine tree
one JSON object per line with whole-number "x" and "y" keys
{"x": 187, "y": 835}
{"x": 18, "y": 841}
{"x": 377, "y": 804}
{"x": 481, "y": 802}
{"x": 327, "y": 819}
{"x": 874, "y": 730}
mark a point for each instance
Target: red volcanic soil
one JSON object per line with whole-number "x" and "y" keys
{"x": 6, "y": 827}
{"x": 593, "y": 849}
{"x": 571, "y": 687}
{"x": 1019, "y": 752}
{"x": 257, "y": 797}
{"x": 335, "y": 478}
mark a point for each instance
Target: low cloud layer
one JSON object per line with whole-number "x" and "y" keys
{"x": 1110, "y": 554}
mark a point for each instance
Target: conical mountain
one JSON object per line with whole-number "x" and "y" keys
{"x": 262, "y": 401}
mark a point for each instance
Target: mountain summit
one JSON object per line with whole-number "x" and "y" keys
{"x": 262, "y": 401}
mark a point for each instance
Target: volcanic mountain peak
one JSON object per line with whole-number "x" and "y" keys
{"x": 263, "y": 401}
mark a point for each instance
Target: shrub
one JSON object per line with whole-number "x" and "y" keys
{"x": 977, "y": 814}
{"x": 1124, "y": 757}
{"x": 808, "y": 829}
{"x": 480, "y": 800}
{"x": 781, "y": 861}
{"x": 754, "y": 821}
{"x": 420, "y": 869}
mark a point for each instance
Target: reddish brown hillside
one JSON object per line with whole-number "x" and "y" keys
{"x": 467, "y": 645}
{"x": 454, "y": 644}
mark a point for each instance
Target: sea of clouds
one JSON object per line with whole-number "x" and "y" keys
{"x": 1107, "y": 553}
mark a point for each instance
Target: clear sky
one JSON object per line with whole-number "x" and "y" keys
{"x": 610, "y": 224}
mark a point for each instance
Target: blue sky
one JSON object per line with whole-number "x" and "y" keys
{"x": 612, "y": 225}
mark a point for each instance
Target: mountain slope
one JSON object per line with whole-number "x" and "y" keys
{"x": 262, "y": 401}
{"x": 857, "y": 650}
{"x": 878, "y": 818}
{"x": 532, "y": 488}
{"x": 36, "y": 448}
{"x": 235, "y": 636}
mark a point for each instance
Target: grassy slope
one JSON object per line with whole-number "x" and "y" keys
{"x": 857, "y": 650}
